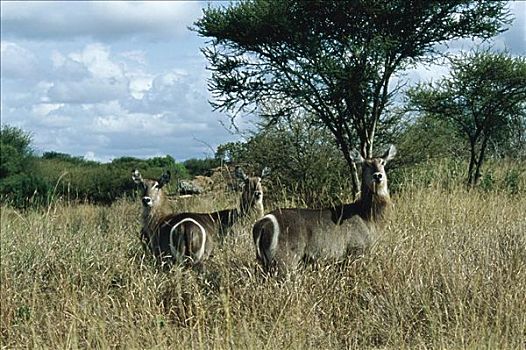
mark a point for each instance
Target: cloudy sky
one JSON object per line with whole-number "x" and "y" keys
{"x": 109, "y": 79}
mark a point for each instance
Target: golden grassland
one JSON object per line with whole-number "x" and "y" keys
{"x": 448, "y": 272}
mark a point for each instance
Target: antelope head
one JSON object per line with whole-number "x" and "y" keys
{"x": 152, "y": 194}
{"x": 252, "y": 195}
{"x": 374, "y": 177}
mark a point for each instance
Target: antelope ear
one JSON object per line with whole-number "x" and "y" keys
{"x": 265, "y": 172}
{"x": 390, "y": 153}
{"x": 357, "y": 157}
{"x": 136, "y": 177}
{"x": 240, "y": 174}
{"x": 165, "y": 178}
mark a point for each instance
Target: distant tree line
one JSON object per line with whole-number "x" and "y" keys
{"x": 29, "y": 180}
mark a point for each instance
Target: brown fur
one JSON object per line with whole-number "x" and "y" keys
{"x": 170, "y": 236}
{"x": 157, "y": 208}
{"x": 331, "y": 233}
{"x": 184, "y": 242}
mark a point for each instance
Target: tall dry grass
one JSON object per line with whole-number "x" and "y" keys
{"x": 449, "y": 272}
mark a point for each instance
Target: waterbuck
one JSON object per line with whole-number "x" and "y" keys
{"x": 191, "y": 237}
{"x": 285, "y": 237}
{"x": 156, "y": 207}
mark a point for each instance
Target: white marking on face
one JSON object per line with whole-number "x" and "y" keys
{"x": 374, "y": 176}
{"x": 147, "y": 201}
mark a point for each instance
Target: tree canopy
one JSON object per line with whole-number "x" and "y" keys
{"x": 331, "y": 58}
{"x": 484, "y": 96}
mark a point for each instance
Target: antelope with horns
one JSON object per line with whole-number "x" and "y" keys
{"x": 191, "y": 237}
{"x": 285, "y": 237}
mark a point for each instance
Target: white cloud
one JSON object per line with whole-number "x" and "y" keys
{"x": 515, "y": 38}
{"x": 70, "y": 69}
{"x": 427, "y": 72}
{"x": 43, "y": 109}
{"x": 140, "y": 84}
{"x": 108, "y": 102}
{"x": 88, "y": 76}
{"x": 96, "y": 58}
{"x": 175, "y": 92}
{"x": 87, "y": 91}
{"x": 101, "y": 20}
{"x": 137, "y": 56}
{"x": 114, "y": 78}
{"x": 108, "y": 79}
{"x": 17, "y": 62}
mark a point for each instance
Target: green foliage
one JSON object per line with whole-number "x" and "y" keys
{"x": 15, "y": 151}
{"x": 332, "y": 59}
{"x": 127, "y": 161}
{"x": 95, "y": 184}
{"x": 16, "y": 138}
{"x": 500, "y": 176}
{"x": 305, "y": 164}
{"x": 512, "y": 180}
{"x": 487, "y": 182}
{"x": 429, "y": 138}
{"x": 228, "y": 152}
{"x": 201, "y": 166}
{"x": 155, "y": 164}
{"x": 26, "y": 180}
{"x": 103, "y": 183}
{"x": 161, "y": 162}
{"x": 66, "y": 158}
{"x": 19, "y": 185}
{"x": 24, "y": 189}
{"x": 12, "y": 161}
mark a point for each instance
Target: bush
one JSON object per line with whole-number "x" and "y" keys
{"x": 98, "y": 183}
{"x": 20, "y": 185}
{"x": 23, "y": 190}
{"x": 201, "y": 166}
{"x": 15, "y": 150}
{"x": 27, "y": 180}
{"x": 305, "y": 164}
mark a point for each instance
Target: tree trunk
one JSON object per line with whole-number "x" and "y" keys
{"x": 355, "y": 181}
{"x": 472, "y": 162}
{"x": 478, "y": 168}
{"x": 345, "y": 149}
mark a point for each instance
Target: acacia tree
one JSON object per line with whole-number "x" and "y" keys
{"x": 484, "y": 96}
{"x": 332, "y": 58}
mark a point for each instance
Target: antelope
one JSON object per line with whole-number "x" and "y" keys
{"x": 156, "y": 207}
{"x": 285, "y": 237}
{"x": 191, "y": 237}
